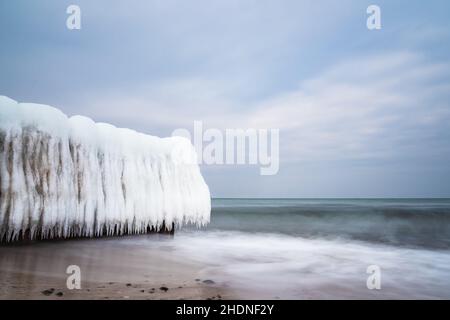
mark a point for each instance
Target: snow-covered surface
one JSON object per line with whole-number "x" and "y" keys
{"x": 64, "y": 177}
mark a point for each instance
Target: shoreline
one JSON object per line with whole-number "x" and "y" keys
{"x": 221, "y": 265}
{"x": 111, "y": 269}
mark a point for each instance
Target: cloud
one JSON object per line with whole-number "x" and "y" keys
{"x": 367, "y": 108}
{"x": 340, "y": 95}
{"x": 371, "y": 107}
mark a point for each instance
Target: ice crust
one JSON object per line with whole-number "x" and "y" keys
{"x": 71, "y": 177}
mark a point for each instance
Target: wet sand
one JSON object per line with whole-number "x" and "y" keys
{"x": 141, "y": 267}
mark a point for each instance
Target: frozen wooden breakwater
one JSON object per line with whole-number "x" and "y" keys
{"x": 64, "y": 177}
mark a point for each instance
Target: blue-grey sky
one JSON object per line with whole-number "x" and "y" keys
{"x": 361, "y": 113}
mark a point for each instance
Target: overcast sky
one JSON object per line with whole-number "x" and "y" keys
{"x": 361, "y": 113}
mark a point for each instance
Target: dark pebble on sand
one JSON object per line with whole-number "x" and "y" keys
{"x": 48, "y": 291}
{"x": 60, "y": 294}
{"x": 164, "y": 289}
{"x": 128, "y": 284}
{"x": 208, "y": 281}
{"x": 142, "y": 290}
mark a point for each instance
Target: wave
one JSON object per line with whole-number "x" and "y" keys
{"x": 413, "y": 223}
{"x": 269, "y": 266}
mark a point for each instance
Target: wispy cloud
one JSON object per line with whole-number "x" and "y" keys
{"x": 372, "y": 107}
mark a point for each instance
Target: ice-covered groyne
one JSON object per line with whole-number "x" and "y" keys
{"x": 71, "y": 177}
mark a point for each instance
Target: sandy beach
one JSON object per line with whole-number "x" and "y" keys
{"x": 113, "y": 268}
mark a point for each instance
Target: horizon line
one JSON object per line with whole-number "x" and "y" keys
{"x": 330, "y": 198}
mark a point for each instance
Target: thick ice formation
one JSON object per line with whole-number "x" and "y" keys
{"x": 65, "y": 177}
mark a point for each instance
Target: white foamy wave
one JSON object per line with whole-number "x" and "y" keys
{"x": 267, "y": 266}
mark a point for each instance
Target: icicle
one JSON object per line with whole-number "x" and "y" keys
{"x": 72, "y": 177}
